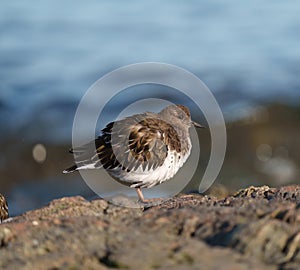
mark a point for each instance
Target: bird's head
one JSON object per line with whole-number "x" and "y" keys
{"x": 179, "y": 114}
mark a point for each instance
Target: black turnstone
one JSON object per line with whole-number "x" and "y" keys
{"x": 140, "y": 151}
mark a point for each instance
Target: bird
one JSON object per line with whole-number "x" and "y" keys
{"x": 141, "y": 150}
{"x": 3, "y": 208}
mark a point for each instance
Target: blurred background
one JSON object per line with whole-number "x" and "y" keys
{"x": 51, "y": 51}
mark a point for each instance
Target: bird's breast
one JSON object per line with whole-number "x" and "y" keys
{"x": 152, "y": 177}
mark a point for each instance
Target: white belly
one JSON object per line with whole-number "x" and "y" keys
{"x": 149, "y": 178}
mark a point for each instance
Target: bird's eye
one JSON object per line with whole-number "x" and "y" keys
{"x": 180, "y": 116}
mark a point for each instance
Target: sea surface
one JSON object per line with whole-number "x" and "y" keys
{"x": 52, "y": 51}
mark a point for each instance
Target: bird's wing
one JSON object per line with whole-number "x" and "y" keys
{"x": 140, "y": 140}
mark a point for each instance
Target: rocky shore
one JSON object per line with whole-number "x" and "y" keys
{"x": 256, "y": 228}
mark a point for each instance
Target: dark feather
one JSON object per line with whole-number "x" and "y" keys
{"x": 140, "y": 140}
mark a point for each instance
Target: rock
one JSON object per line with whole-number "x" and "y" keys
{"x": 256, "y": 228}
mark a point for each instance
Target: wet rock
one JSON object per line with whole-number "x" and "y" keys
{"x": 256, "y": 228}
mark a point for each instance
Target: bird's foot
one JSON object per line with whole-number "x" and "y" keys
{"x": 148, "y": 202}
{"x": 151, "y": 202}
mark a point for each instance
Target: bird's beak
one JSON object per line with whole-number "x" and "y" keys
{"x": 197, "y": 125}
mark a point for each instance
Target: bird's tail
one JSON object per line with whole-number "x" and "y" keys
{"x": 71, "y": 169}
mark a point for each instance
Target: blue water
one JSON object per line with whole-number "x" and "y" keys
{"x": 51, "y": 51}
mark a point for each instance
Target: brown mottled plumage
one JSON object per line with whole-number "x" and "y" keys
{"x": 142, "y": 150}
{"x": 3, "y": 208}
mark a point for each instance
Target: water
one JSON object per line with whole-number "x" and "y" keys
{"x": 51, "y": 51}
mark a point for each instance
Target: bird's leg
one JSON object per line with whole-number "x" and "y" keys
{"x": 140, "y": 194}
{"x": 143, "y": 200}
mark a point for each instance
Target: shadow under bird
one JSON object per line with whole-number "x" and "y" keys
{"x": 142, "y": 150}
